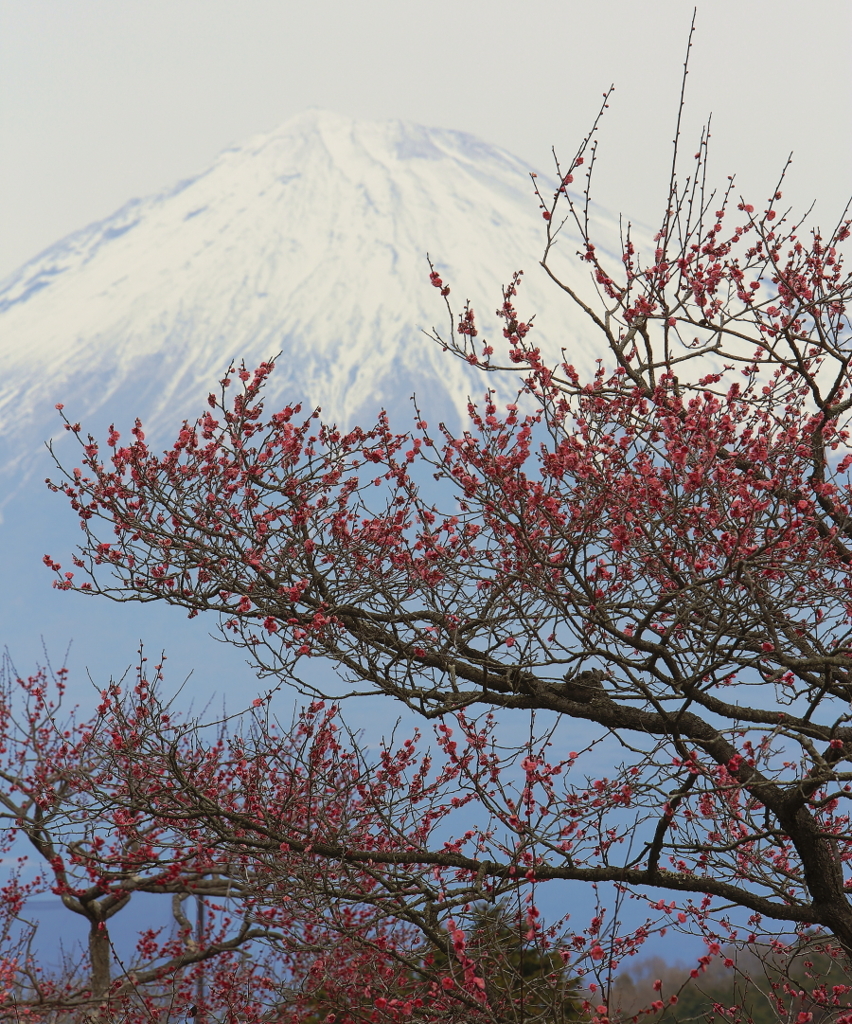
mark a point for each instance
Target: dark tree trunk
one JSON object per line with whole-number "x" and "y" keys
{"x": 99, "y": 955}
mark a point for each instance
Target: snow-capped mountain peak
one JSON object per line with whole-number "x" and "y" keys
{"x": 310, "y": 240}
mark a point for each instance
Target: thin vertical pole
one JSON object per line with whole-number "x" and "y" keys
{"x": 199, "y": 936}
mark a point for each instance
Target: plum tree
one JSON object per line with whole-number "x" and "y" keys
{"x": 660, "y": 554}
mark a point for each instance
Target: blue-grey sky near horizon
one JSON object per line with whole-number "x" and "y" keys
{"x": 101, "y": 102}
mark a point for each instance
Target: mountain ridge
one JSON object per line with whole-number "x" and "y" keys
{"x": 310, "y": 240}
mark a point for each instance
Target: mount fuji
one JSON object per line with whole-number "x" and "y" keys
{"x": 310, "y": 241}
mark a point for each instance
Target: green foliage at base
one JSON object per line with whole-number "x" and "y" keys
{"x": 524, "y": 983}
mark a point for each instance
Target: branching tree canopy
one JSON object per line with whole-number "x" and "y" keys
{"x": 660, "y": 554}
{"x": 136, "y": 799}
{"x": 73, "y": 835}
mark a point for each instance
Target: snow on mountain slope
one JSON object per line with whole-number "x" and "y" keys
{"x": 310, "y": 240}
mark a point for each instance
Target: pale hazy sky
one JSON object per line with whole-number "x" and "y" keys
{"x": 104, "y": 100}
